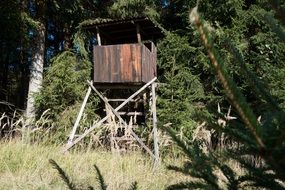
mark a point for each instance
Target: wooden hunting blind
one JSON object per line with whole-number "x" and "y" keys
{"x": 125, "y": 54}
{"x": 124, "y": 57}
{"x": 133, "y": 64}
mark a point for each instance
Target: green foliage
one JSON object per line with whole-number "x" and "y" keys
{"x": 237, "y": 23}
{"x": 133, "y": 8}
{"x": 79, "y": 41}
{"x": 262, "y": 140}
{"x": 63, "y": 90}
{"x": 199, "y": 165}
{"x": 64, "y": 83}
{"x": 181, "y": 88}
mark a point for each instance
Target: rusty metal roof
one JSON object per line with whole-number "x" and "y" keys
{"x": 124, "y": 30}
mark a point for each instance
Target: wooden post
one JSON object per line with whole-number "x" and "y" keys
{"x": 138, "y": 33}
{"x": 115, "y": 112}
{"x": 98, "y": 36}
{"x": 112, "y": 124}
{"x": 106, "y": 117}
{"x": 154, "y": 123}
{"x": 108, "y": 111}
{"x": 71, "y": 137}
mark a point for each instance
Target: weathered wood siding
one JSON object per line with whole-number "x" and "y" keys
{"x": 148, "y": 63}
{"x": 125, "y": 63}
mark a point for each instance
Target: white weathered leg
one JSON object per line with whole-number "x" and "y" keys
{"x": 71, "y": 137}
{"x": 154, "y": 124}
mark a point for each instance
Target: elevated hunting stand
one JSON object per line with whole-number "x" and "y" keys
{"x": 124, "y": 61}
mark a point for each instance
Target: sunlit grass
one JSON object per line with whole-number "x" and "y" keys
{"x": 25, "y": 166}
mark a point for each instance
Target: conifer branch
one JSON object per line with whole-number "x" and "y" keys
{"x": 63, "y": 175}
{"x": 278, "y": 9}
{"x": 134, "y": 186}
{"x": 232, "y": 92}
{"x": 256, "y": 83}
{"x": 275, "y": 27}
{"x": 100, "y": 178}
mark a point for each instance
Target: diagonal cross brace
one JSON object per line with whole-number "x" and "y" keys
{"x": 121, "y": 120}
{"x": 71, "y": 144}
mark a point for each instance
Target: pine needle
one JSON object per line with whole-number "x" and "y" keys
{"x": 100, "y": 178}
{"x": 63, "y": 175}
{"x": 134, "y": 186}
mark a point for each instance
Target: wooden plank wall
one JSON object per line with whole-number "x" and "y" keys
{"x": 130, "y": 63}
{"x": 125, "y": 63}
{"x": 148, "y": 63}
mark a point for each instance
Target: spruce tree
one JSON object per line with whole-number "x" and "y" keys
{"x": 257, "y": 139}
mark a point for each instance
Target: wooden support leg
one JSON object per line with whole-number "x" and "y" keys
{"x": 112, "y": 124}
{"x": 121, "y": 119}
{"x": 71, "y": 137}
{"x": 154, "y": 124}
{"x": 106, "y": 117}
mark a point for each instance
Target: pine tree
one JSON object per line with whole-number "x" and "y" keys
{"x": 133, "y": 8}
{"x": 14, "y": 46}
{"x": 263, "y": 140}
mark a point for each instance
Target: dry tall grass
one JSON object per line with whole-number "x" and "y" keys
{"x": 25, "y": 166}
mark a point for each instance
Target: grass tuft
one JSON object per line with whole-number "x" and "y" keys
{"x": 27, "y": 167}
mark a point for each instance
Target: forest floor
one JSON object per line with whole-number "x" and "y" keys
{"x": 27, "y": 167}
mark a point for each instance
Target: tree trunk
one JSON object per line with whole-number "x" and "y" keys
{"x": 36, "y": 71}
